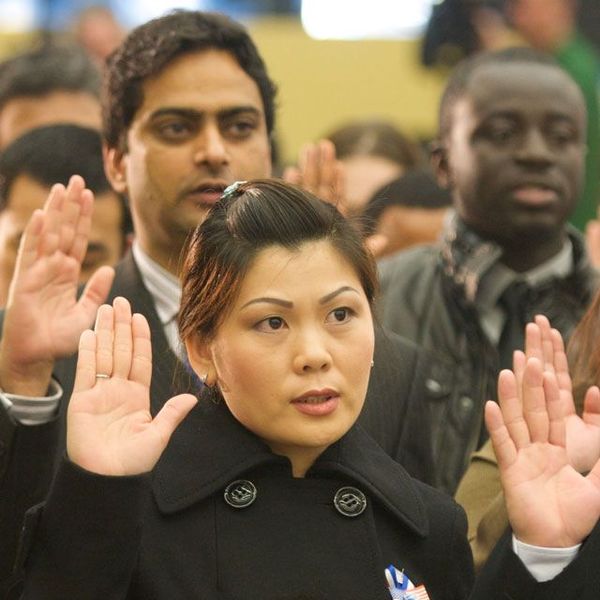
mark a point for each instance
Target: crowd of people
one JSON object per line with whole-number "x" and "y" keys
{"x": 368, "y": 378}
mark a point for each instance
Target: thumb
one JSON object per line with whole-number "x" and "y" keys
{"x": 96, "y": 291}
{"x": 172, "y": 414}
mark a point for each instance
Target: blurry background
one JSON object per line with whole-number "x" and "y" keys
{"x": 334, "y": 60}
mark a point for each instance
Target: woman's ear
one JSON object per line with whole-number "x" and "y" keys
{"x": 200, "y": 357}
{"x": 114, "y": 167}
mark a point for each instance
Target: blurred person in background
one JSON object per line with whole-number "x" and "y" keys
{"x": 30, "y": 166}
{"x": 49, "y": 84}
{"x": 98, "y": 31}
{"x": 408, "y": 211}
{"x": 354, "y": 160}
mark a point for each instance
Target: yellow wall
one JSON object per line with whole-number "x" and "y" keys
{"x": 325, "y": 83}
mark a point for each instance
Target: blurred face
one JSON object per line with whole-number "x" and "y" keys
{"x": 515, "y": 151}
{"x": 293, "y": 360}
{"x": 364, "y": 175}
{"x": 200, "y": 127}
{"x": 20, "y": 115}
{"x": 106, "y": 238}
{"x": 405, "y": 226}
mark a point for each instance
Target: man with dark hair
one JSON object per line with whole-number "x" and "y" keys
{"x": 30, "y": 166}
{"x": 188, "y": 110}
{"x": 511, "y": 150}
{"x": 50, "y": 84}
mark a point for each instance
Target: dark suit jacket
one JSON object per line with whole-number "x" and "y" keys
{"x": 393, "y": 415}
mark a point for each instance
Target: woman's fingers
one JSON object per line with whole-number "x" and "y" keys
{"x": 535, "y": 411}
{"x": 504, "y": 445}
{"x": 141, "y": 365}
{"x": 85, "y": 376}
{"x": 104, "y": 330}
{"x": 557, "y": 434}
{"x": 547, "y": 342}
{"x": 512, "y": 409}
{"x": 122, "y": 339}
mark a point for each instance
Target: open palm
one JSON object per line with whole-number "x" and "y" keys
{"x": 549, "y": 503}
{"x": 582, "y": 432}
{"x": 110, "y": 430}
{"x": 44, "y": 318}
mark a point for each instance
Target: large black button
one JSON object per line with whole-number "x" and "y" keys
{"x": 350, "y": 501}
{"x": 240, "y": 493}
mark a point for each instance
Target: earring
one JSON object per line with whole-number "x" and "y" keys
{"x": 372, "y": 364}
{"x": 203, "y": 379}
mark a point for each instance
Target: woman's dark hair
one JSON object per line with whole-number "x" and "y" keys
{"x": 254, "y": 216}
{"x": 151, "y": 47}
{"x": 583, "y": 352}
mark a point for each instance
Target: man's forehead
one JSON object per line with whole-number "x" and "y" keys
{"x": 204, "y": 80}
{"x": 524, "y": 85}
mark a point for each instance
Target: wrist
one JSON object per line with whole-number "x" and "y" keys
{"x": 25, "y": 379}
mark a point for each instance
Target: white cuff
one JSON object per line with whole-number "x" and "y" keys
{"x": 544, "y": 563}
{"x": 31, "y": 410}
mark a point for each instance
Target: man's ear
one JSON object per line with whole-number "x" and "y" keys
{"x": 200, "y": 357}
{"x": 114, "y": 166}
{"x": 439, "y": 164}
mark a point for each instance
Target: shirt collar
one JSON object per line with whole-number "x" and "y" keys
{"x": 499, "y": 276}
{"x": 163, "y": 286}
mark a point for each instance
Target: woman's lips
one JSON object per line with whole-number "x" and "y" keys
{"x": 317, "y": 404}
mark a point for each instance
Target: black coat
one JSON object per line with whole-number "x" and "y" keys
{"x": 503, "y": 576}
{"x": 392, "y": 414}
{"x": 113, "y": 538}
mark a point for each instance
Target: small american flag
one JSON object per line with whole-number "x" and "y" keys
{"x": 418, "y": 593}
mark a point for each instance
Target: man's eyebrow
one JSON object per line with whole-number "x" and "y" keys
{"x": 345, "y": 288}
{"x": 227, "y": 113}
{"x": 175, "y": 111}
{"x": 267, "y": 300}
{"x": 192, "y": 113}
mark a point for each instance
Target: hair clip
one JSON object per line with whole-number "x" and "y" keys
{"x": 230, "y": 190}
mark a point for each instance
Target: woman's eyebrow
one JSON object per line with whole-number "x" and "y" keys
{"x": 332, "y": 295}
{"x": 267, "y": 300}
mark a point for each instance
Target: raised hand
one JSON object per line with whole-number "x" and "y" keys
{"x": 110, "y": 430}
{"x": 44, "y": 318}
{"x": 582, "y": 433}
{"x": 320, "y": 173}
{"x": 548, "y": 502}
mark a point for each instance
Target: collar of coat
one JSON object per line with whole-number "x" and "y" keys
{"x": 210, "y": 449}
{"x": 466, "y": 258}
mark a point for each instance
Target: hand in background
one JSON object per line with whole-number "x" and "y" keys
{"x": 44, "y": 318}
{"x": 320, "y": 173}
{"x": 110, "y": 430}
{"x": 582, "y": 433}
{"x": 592, "y": 241}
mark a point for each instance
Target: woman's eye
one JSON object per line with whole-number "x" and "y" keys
{"x": 271, "y": 324}
{"x": 340, "y": 315}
